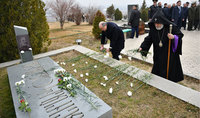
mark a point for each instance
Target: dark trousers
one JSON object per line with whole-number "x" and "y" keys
{"x": 179, "y": 23}
{"x": 135, "y": 29}
{"x": 115, "y": 54}
{"x": 190, "y": 25}
{"x": 184, "y": 23}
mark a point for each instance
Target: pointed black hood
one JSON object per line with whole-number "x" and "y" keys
{"x": 159, "y": 17}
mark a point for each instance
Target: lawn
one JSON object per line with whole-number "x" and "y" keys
{"x": 146, "y": 102}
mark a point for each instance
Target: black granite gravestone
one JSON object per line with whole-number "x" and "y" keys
{"x": 23, "y": 44}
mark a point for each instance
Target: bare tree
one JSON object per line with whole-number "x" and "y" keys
{"x": 76, "y": 11}
{"x": 91, "y": 11}
{"x": 60, "y": 10}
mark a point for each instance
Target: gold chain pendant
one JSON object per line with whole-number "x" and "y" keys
{"x": 160, "y": 44}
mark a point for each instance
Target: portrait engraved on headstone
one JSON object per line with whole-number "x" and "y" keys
{"x": 23, "y": 42}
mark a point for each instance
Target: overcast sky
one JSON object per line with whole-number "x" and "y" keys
{"x": 121, "y": 4}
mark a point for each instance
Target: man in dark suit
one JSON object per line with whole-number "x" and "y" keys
{"x": 177, "y": 15}
{"x": 134, "y": 21}
{"x": 185, "y": 13}
{"x": 116, "y": 36}
{"x": 153, "y": 9}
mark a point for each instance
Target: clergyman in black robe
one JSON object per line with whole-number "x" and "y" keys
{"x": 159, "y": 37}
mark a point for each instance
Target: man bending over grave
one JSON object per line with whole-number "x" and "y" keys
{"x": 116, "y": 36}
{"x": 166, "y": 65}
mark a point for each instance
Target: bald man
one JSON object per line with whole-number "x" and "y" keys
{"x": 116, "y": 36}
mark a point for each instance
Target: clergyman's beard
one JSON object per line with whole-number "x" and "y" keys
{"x": 159, "y": 28}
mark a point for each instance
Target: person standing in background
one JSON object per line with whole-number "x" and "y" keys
{"x": 134, "y": 21}
{"x": 153, "y": 9}
{"x": 177, "y": 15}
{"x": 191, "y": 16}
{"x": 197, "y": 17}
{"x": 185, "y": 13}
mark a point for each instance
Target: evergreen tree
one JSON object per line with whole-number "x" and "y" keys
{"x": 118, "y": 14}
{"x": 110, "y": 11}
{"x": 26, "y": 13}
{"x": 98, "y": 18}
{"x": 144, "y": 12}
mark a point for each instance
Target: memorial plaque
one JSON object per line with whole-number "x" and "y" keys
{"x": 45, "y": 98}
{"x": 23, "y": 43}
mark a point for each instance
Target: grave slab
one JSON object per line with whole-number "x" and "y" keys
{"x": 45, "y": 98}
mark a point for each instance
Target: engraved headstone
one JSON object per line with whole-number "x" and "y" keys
{"x": 45, "y": 98}
{"x": 23, "y": 44}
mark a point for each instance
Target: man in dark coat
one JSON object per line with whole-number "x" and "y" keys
{"x": 159, "y": 36}
{"x": 116, "y": 36}
{"x": 191, "y": 16}
{"x": 153, "y": 9}
{"x": 177, "y": 15}
{"x": 134, "y": 21}
{"x": 166, "y": 11}
{"x": 185, "y": 13}
{"x": 197, "y": 17}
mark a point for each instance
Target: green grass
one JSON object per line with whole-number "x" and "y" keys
{"x": 6, "y": 104}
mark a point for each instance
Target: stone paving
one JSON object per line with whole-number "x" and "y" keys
{"x": 190, "y": 58}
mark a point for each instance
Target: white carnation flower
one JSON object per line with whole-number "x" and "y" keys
{"x": 23, "y": 76}
{"x": 129, "y": 58}
{"x": 86, "y": 80}
{"x": 131, "y": 85}
{"x": 64, "y": 63}
{"x": 104, "y": 85}
{"x": 120, "y": 57}
{"x": 22, "y": 82}
{"x": 86, "y": 62}
{"x": 17, "y": 83}
{"x": 22, "y": 52}
{"x": 101, "y": 84}
{"x": 95, "y": 66}
{"x": 117, "y": 82}
{"x": 73, "y": 64}
{"x": 129, "y": 93}
{"x": 69, "y": 86}
{"x": 75, "y": 70}
{"x": 87, "y": 74}
{"x": 30, "y": 48}
{"x": 81, "y": 75}
{"x": 107, "y": 55}
{"x": 110, "y": 90}
{"x": 105, "y": 77}
{"x": 65, "y": 78}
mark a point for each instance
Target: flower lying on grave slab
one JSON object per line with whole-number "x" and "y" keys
{"x": 110, "y": 90}
{"x": 129, "y": 93}
{"x": 67, "y": 82}
{"x": 24, "y": 106}
{"x": 23, "y": 76}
